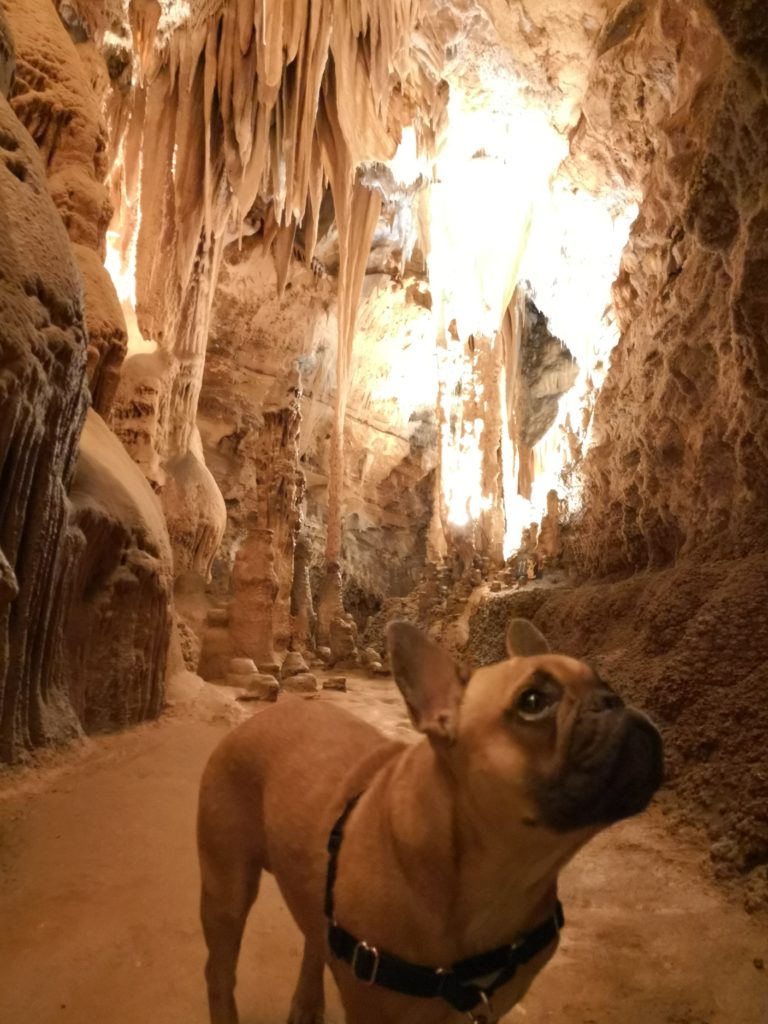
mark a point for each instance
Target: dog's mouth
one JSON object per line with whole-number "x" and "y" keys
{"x": 613, "y": 766}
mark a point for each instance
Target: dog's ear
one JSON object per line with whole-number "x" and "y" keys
{"x": 431, "y": 682}
{"x": 524, "y": 640}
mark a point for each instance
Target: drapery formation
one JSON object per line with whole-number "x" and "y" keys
{"x": 260, "y": 104}
{"x": 261, "y": 99}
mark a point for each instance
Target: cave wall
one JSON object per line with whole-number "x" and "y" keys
{"x": 680, "y": 461}
{"x": 56, "y": 95}
{"x": 43, "y": 351}
{"x": 118, "y": 628}
{"x": 86, "y": 571}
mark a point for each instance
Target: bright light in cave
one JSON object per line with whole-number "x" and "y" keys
{"x": 498, "y": 215}
{"x": 571, "y": 262}
{"x": 122, "y": 270}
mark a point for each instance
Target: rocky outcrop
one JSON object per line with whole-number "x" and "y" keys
{"x": 680, "y": 461}
{"x": 119, "y": 623}
{"x": 87, "y": 633}
{"x": 43, "y": 347}
{"x": 53, "y": 96}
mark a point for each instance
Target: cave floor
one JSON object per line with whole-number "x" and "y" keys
{"x": 98, "y": 902}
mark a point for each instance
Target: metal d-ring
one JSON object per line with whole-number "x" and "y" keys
{"x": 486, "y": 1014}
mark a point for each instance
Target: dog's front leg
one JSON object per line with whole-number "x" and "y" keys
{"x": 308, "y": 1004}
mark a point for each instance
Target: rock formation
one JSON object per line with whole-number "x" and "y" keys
{"x": 682, "y": 470}
{"x": 87, "y": 635}
{"x": 43, "y": 351}
{"x": 120, "y": 607}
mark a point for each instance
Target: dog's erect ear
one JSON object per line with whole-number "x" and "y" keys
{"x": 431, "y": 682}
{"x": 524, "y": 640}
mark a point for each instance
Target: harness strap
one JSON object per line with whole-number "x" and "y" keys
{"x": 334, "y": 845}
{"x": 463, "y": 985}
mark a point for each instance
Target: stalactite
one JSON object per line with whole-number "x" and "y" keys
{"x": 260, "y": 100}
{"x": 511, "y": 334}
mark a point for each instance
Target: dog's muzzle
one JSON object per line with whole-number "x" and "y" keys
{"x": 614, "y": 763}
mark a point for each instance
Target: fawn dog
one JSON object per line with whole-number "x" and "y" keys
{"x": 436, "y": 899}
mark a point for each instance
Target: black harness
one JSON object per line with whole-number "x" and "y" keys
{"x": 467, "y": 984}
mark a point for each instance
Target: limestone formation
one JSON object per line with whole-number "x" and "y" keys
{"x": 682, "y": 468}
{"x": 338, "y": 683}
{"x": 254, "y": 590}
{"x": 293, "y": 665}
{"x": 259, "y": 687}
{"x": 302, "y": 682}
{"x": 43, "y": 345}
{"x": 119, "y": 623}
{"x": 56, "y": 101}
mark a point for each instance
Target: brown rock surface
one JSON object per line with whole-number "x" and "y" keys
{"x": 302, "y": 682}
{"x": 680, "y": 462}
{"x": 686, "y": 644}
{"x": 54, "y": 98}
{"x": 119, "y": 623}
{"x": 43, "y": 401}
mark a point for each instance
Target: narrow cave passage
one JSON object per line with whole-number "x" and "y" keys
{"x": 323, "y": 315}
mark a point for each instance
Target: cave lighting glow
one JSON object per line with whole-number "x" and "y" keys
{"x": 498, "y": 215}
{"x": 489, "y": 178}
{"x": 120, "y": 262}
{"x": 571, "y": 261}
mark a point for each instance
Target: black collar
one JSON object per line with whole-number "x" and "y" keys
{"x": 465, "y": 985}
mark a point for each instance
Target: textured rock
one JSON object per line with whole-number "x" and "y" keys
{"x": 293, "y": 665}
{"x": 43, "y": 400}
{"x": 335, "y": 683}
{"x": 119, "y": 623}
{"x": 547, "y": 371}
{"x": 680, "y": 462}
{"x": 242, "y": 666}
{"x": 303, "y": 682}
{"x": 690, "y": 644}
{"x": 7, "y": 56}
{"x": 343, "y": 641}
{"x": 259, "y": 687}
{"x": 105, "y": 324}
{"x": 54, "y": 97}
{"x": 368, "y": 655}
{"x": 195, "y": 512}
{"x": 259, "y": 347}
{"x": 254, "y": 589}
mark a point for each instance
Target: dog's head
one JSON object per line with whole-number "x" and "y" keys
{"x": 540, "y": 733}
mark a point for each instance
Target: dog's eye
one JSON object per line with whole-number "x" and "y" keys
{"x": 538, "y": 701}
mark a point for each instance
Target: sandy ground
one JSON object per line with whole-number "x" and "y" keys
{"x": 98, "y": 903}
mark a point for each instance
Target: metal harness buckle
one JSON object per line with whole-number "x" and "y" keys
{"x": 363, "y": 947}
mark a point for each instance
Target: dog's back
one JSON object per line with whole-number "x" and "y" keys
{"x": 269, "y": 796}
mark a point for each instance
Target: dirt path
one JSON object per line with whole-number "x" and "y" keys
{"x": 98, "y": 904}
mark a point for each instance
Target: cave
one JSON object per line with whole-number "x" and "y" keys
{"x": 317, "y": 315}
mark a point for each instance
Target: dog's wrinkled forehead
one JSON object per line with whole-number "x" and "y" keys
{"x": 496, "y": 685}
{"x": 576, "y": 676}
